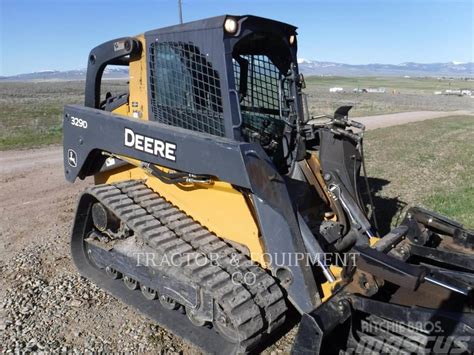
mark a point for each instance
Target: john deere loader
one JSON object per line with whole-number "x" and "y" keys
{"x": 226, "y": 214}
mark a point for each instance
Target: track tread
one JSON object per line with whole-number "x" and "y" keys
{"x": 254, "y": 309}
{"x": 266, "y": 293}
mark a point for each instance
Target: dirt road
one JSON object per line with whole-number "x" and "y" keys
{"x": 39, "y": 287}
{"x": 395, "y": 119}
{"x": 44, "y": 304}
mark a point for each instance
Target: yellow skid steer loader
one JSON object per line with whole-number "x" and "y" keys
{"x": 225, "y": 214}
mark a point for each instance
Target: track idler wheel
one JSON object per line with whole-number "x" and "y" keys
{"x": 130, "y": 283}
{"x": 193, "y": 318}
{"x": 103, "y": 219}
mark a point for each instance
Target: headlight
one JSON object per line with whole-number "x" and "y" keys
{"x": 231, "y": 26}
{"x": 292, "y": 39}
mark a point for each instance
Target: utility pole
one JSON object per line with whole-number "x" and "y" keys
{"x": 180, "y": 6}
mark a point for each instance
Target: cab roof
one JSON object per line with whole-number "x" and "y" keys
{"x": 218, "y": 23}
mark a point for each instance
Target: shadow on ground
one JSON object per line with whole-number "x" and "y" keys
{"x": 387, "y": 209}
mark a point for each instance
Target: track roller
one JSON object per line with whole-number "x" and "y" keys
{"x": 168, "y": 303}
{"x": 112, "y": 273}
{"x": 224, "y": 325}
{"x": 130, "y": 283}
{"x": 148, "y": 293}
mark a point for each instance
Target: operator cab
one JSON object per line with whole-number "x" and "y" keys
{"x": 228, "y": 76}
{"x": 264, "y": 70}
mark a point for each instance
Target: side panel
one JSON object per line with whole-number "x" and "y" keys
{"x": 188, "y": 151}
{"x": 219, "y": 207}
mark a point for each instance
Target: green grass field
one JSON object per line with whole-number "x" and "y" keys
{"x": 402, "y": 95}
{"x": 424, "y": 85}
{"x": 428, "y": 163}
{"x": 31, "y": 112}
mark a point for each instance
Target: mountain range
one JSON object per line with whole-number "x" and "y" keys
{"x": 312, "y": 67}
{"x": 307, "y": 67}
{"x": 75, "y": 74}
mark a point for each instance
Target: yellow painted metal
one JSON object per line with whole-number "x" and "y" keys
{"x": 137, "y": 106}
{"x": 328, "y": 287}
{"x": 217, "y": 206}
{"x": 122, "y": 110}
{"x": 315, "y": 166}
{"x": 373, "y": 240}
{"x": 138, "y": 102}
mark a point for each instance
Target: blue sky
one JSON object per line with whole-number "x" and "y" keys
{"x": 58, "y": 34}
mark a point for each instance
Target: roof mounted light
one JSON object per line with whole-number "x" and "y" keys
{"x": 231, "y": 26}
{"x": 292, "y": 39}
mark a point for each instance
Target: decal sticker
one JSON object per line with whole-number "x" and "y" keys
{"x": 118, "y": 46}
{"x": 150, "y": 145}
{"x": 72, "y": 158}
{"x": 79, "y": 122}
{"x": 109, "y": 161}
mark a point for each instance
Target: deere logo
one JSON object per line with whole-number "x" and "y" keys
{"x": 154, "y": 146}
{"x": 72, "y": 158}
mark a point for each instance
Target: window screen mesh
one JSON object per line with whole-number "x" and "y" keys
{"x": 263, "y": 80}
{"x": 185, "y": 89}
{"x": 260, "y": 104}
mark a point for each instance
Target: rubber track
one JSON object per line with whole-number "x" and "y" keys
{"x": 253, "y": 310}
{"x": 264, "y": 289}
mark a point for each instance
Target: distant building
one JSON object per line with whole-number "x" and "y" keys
{"x": 369, "y": 90}
{"x": 453, "y": 92}
{"x": 457, "y": 92}
{"x": 376, "y": 90}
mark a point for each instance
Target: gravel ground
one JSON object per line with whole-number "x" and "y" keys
{"x": 63, "y": 312}
{"x": 44, "y": 310}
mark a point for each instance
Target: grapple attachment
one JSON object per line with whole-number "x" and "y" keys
{"x": 425, "y": 306}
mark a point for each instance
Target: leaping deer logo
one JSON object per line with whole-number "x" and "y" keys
{"x": 72, "y": 158}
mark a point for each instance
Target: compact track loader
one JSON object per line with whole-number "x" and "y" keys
{"x": 226, "y": 214}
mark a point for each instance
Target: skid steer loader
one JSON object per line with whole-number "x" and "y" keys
{"x": 225, "y": 213}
